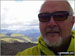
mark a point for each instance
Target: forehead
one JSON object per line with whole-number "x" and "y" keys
{"x": 52, "y": 6}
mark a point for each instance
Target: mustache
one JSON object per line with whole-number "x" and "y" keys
{"x": 53, "y": 29}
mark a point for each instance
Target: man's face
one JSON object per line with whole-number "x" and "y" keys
{"x": 54, "y": 33}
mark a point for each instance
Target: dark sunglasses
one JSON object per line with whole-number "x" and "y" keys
{"x": 57, "y": 16}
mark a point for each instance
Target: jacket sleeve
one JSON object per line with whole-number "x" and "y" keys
{"x": 19, "y": 54}
{"x": 30, "y": 51}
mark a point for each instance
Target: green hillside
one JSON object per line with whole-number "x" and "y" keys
{"x": 26, "y": 38}
{"x": 3, "y": 35}
{"x": 14, "y": 37}
{"x": 11, "y": 40}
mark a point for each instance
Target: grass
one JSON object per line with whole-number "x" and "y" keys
{"x": 3, "y": 35}
{"x": 11, "y": 40}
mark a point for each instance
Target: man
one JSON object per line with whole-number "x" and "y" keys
{"x": 56, "y": 22}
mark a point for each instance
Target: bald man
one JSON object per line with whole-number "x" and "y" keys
{"x": 56, "y": 22}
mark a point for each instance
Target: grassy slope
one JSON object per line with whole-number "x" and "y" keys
{"x": 16, "y": 37}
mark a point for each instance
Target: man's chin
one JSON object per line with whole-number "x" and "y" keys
{"x": 56, "y": 43}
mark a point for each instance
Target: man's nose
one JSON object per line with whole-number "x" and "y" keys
{"x": 52, "y": 22}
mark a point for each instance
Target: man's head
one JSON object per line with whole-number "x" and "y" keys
{"x": 56, "y": 22}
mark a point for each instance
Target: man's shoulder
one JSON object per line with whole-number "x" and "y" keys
{"x": 30, "y": 51}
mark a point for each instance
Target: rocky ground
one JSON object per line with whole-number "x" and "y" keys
{"x": 10, "y": 49}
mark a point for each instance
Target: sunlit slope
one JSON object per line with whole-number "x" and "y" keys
{"x": 15, "y": 37}
{"x": 35, "y": 42}
{"x": 11, "y": 40}
{"x": 3, "y": 35}
{"x": 21, "y": 36}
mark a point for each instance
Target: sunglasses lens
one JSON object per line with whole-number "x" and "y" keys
{"x": 44, "y": 17}
{"x": 61, "y": 17}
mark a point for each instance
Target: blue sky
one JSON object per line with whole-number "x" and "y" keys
{"x": 21, "y": 15}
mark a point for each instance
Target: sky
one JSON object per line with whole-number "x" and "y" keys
{"x": 21, "y": 15}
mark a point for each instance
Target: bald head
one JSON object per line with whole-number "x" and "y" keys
{"x": 52, "y": 6}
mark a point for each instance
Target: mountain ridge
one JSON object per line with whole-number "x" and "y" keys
{"x": 30, "y": 33}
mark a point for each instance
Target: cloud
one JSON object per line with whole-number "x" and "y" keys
{"x": 20, "y": 15}
{"x": 16, "y": 15}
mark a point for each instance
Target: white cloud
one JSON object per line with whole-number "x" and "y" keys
{"x": 20, "y": 15}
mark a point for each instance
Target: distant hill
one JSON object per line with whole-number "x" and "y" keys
{"x": 11, "y": 40}
{"x": 3, "y": 35}
{"x": 30, "y": 33}
{"x": 18, "y": 37}
{"x": 33, "y": 34}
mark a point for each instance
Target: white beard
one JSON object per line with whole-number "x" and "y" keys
{"x": 53, "y": 44}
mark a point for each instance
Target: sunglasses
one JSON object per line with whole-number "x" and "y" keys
{"x": 57, "y": 16}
